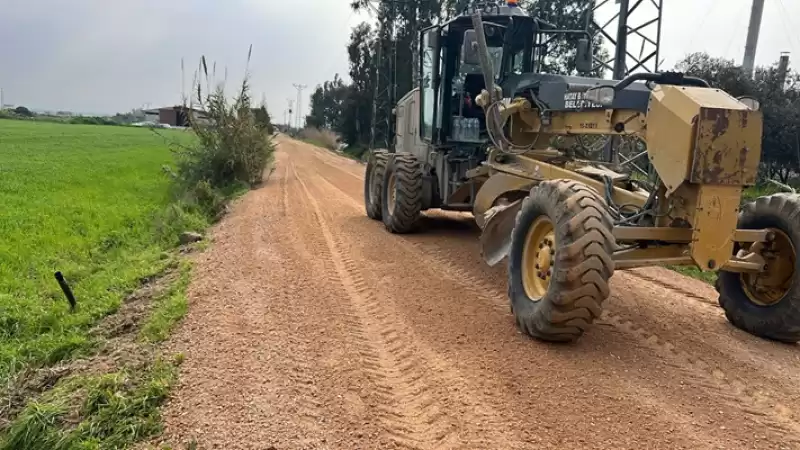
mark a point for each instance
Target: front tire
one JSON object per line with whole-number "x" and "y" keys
{"x": 560, "y": 260}
{"x": 402, "y": 193}
{"x": 373, "y": 182}
{"x": 767, "y": 304}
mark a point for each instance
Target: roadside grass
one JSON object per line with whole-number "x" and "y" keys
{"x": 354, "y": 152}
{"x": 109, "y": 410}
{"x": 79, "y": 199}
{"x": 105, "y": 206}
{"x": 694, "y": 272}
{"x": 94, "y": 203}
{"x": 320, "y": 137}
{"x": 169, "y": 308}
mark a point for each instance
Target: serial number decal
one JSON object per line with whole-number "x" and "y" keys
{"x": 589, "y": 125}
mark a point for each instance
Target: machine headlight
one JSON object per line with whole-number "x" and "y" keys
{"x": 602, "y": 95}
{"x": 750, "y": 102}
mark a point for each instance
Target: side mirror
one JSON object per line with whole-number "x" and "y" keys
{"x": 469, "y": 50}
{"x": 751, "y": 102}
{"x": 583, "y": 58}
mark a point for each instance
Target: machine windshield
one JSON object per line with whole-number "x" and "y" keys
{"x": 496, "y": 55}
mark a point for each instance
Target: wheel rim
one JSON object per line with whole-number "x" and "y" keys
{"x": 392, "y": 193}
{"x": 771, "y": 286}
{"x": 538, "y": 258}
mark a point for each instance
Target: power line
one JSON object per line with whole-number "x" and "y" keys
{"x": 706, "y": 15}
{"x": 298, "y": 116}
{"x": 786, "y": 17}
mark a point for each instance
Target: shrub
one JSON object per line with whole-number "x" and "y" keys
{"x": 263, "y": 119}
{"x": 92, "y": 120}
{"x": 234, "y": 144}
{"x": 23, "y": 111}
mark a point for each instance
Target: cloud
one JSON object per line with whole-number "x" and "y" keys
{"x": 104, "y": 57}
{"x": 108, "y": 56}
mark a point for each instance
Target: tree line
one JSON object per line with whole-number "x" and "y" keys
{"x": 383, "y": 63}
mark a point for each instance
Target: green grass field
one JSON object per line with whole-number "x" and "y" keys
{"x": 82, "y": 200}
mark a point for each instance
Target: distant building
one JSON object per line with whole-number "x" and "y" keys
{"x": 174, "y": 116}
{"x": 151, "y": 115}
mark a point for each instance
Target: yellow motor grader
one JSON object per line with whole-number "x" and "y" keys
{"x": 478, "y": 135}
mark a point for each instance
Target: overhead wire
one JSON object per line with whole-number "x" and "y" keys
{"x": 339, "y": 53}
{"x": 787, "y": 18}
{"x": 704, "y": 18}
{"x": 742, "y": 10}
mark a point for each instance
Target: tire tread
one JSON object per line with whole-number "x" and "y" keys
{"x": 583, "y": 263}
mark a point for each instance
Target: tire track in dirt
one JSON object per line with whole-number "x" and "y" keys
{"x": 334, "y": 161}
{"x": 354, "y": 407}
{"x": 651, "y": 400}
{"x": 755, "y": 402}
{"x": 456, "y": 274}
{"x": 228, "y": 384}
{"x": 306, "y": 407}
{"x": 667, "y": 285}
{"x": 407, "y": 412}
{"x": 285, "y": 188}
{"x": 402, "y": 370}
{"x": 764, "y": 403}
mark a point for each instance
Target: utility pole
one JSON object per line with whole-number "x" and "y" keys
{"x": 783, "y": 69}
{"x": 289, "y": 120}
{"x": 298, "y": 116}
{"x": 627, "y": 25}
{"x": 752, "y": 37}
{"x": 621, "y": 49}
{"x": 633, "y": 28}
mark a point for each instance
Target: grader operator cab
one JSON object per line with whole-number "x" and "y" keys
{"x": 478, "y": 135}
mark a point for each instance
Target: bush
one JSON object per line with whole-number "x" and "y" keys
{"x": 323, "y": 138}
{"x": 234, "y": 144}
{"x": 23, "y": 111}
{"x": 91, "y": 120}
{"x": 263, "y": 119}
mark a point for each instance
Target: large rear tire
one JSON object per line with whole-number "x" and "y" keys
{"x": 560, "y": 260}
{"x": 402, "y": 193}
{"x": 767, "y": 304}
{"x": 373, "y": 182}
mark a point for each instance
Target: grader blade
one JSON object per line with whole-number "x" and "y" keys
{"x": 496, "y": 236}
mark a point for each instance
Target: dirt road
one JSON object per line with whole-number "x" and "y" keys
{"x": 312, "y": 327}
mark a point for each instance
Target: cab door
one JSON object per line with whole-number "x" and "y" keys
{"x": 429, "y": 83}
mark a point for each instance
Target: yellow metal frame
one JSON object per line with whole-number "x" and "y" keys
{"x": 704, "y": 144}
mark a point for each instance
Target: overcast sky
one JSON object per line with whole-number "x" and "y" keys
{"x": 106, "y": 56}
